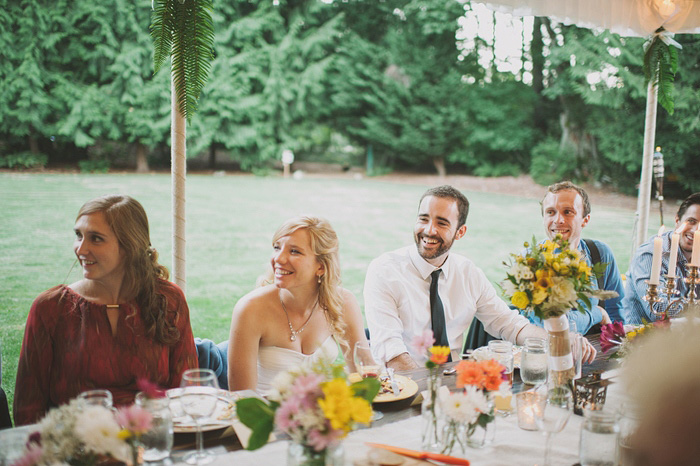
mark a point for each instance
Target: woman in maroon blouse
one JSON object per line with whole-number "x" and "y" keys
{"x": 123, "y": 321}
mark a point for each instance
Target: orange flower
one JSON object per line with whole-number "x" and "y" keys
{"x": 492, "y": 368}
{"x": 469, "y": 373}
{"x": 439, "y": 354}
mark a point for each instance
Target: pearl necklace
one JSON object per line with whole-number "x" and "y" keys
{"x": 293, "y": 334}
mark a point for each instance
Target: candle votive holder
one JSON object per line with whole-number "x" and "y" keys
{"x": 528, "y": 405}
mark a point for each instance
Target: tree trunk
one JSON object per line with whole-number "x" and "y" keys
{"x": 439, "y": 163}
{"x": 33, "y": 144}
{"x": 536, "y": 52}
{"x": 212, "y": 156}
{"x": 141, "y": 158}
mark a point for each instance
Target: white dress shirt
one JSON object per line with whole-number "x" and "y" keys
{"x": 397, "y": 302}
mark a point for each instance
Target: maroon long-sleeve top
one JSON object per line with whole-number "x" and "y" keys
{"x": 69, "y": 347}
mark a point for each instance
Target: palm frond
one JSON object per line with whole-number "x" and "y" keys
{"x": 660, "y": 66}
{"x": 184, "y": 30}
{"x": 162, "y": 32}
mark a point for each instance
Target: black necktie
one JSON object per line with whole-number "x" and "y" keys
{"x": 437, "y": 313}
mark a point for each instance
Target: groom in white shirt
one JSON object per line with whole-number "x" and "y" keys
{"x": 400, "y": 293}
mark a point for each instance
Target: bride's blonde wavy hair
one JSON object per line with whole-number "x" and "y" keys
{"x": 324, "y": 244}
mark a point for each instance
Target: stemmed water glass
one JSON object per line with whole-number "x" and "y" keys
{"x": 555, "y": 407}
{"x": 366, "y": 366}
{"x": 199, "y": 398}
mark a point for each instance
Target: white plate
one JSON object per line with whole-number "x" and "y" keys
{"x": 224, "y": 413}
{"x": 482, "y": 353}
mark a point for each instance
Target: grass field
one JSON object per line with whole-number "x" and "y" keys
{"x": 230, "y": 223}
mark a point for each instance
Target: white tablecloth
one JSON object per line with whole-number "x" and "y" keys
{"x": 512, "y": 445}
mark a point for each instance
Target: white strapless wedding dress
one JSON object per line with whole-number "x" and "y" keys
{"x": 272, "y": 360}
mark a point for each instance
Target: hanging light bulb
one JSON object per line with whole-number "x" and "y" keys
{"x": 666, "y": 7}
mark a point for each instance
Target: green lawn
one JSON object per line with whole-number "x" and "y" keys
{"x": 230, "y": 223}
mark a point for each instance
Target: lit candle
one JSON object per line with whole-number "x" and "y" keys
{"x": 695, "y": 259}
{"x": 656, "y": 259}
{"x": 673, "y": 255}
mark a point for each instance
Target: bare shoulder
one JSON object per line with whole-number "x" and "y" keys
{"x": 349, "y": 298}
{"x": 256, "y": 303}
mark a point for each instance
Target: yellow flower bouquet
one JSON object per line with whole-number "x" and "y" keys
{"x": 549, "y": 279}
{"x": 315, "y": 406}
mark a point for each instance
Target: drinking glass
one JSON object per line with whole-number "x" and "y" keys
{"x": 533, "y": 363}
{"x": 599, "y": 438}
{"x": 576, "y": 348}
{"x": 502, "y": 351}
{"x": 158, "y": 441}
{"x": 199, "y": 398}
{"x": 366, "y": 366}
{"x": 97, "y": 398}
{"x": 556, "y": 406}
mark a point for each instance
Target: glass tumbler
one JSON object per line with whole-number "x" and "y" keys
{"x": 97, "y": 398}
{"x": 158, "y": 441}
{"x": 533, "y": 362}
{"x": 599, "y": 438}
{"x": 502, "y": 351}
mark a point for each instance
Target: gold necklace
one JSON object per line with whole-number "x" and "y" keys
{"x": 293, "y": 334}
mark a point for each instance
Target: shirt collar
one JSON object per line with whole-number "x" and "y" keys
{"x": 424, "y": 267}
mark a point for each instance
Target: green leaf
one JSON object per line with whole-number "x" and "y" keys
{"x": 259, "y": 417}
{"x": 366, "y": 388}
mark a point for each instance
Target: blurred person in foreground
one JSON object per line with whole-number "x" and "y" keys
{"x": 122, "y": 322}
{"x": 300, "y": 315}
{"x": 425, "y": 286}
{"x": 662, "y": 380}
{"x": 687, "y": 218}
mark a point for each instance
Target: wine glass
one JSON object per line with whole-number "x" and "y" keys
{"x": 199, "y": 398}
{"x": 366, "y": 366}
{"x": 555, "y": 405}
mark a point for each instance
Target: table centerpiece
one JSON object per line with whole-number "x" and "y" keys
{"x": 436, "y": 356}
{"x": 470, "y": 413}
{"x": 548, "y": 280}
{"x": 316, "y": 407}
{"x": 80, "y": 434}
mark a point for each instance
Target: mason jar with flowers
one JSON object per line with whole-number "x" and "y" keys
{"x": 436, "y": 356}
{"x": 548, "y": 280}
{"x": 316, "y": 407}
{"x": 469, "y": 413}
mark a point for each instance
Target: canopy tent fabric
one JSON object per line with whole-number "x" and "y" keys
{"x": 636, "y": 18}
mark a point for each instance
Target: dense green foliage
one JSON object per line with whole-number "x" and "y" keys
{"x": 331, "y": 80}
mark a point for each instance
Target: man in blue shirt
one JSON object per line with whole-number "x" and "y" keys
{"x": 566, "y": 211}
{"x": 637, "y": 310}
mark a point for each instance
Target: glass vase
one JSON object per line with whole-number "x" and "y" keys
{"x": 560, "y": 359}
{"x": 453, "y": 438}
{"x": 478, "y": 436}
{"x": 158, "y": 441}
{"x": 299, "y": 454}
{"x": 430, "y": 414}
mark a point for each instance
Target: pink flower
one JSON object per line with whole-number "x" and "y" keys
{"x": 308, "y": 389}
{"x": 320, "y": 441}
{"x": 611, "y": 335}
{"x": 151, "y": 389}
{"x": 134, "y": 419}
{"x": 422, "y": 343}
{"x": 284, "y": 417}
{"x": 31, "y": 457}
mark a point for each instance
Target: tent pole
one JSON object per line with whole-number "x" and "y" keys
{"x": 178, "y": 169}
{"x": 644, "y": 198}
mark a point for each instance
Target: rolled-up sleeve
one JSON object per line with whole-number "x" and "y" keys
{"x": 636, "y": 312}
{"x": 494, "y": 313}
